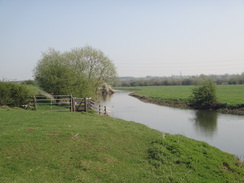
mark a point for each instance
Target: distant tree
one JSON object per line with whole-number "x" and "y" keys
{"x": 187, "y": 81}
{"x": 125, "y": 83}
{"x": 204, "y": 96}
{"x": 183, "y": 80}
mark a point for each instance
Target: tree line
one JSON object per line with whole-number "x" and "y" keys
{"x": 226, "y": 79}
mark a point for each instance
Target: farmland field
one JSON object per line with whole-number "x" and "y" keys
{"x": 228, "y": 94}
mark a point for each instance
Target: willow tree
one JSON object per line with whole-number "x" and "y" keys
{"x": 92, "y": 65}
{"x": 53, "y": 74}
{"x": 80, "y": 71}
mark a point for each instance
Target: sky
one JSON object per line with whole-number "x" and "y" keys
{"x": 141, "y": 37}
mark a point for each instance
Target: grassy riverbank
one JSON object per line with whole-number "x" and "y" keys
{"x": 230, "y": 96}
{"x": 37, "y": 146}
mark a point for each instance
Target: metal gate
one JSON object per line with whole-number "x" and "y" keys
{"x": 54, "y": 103}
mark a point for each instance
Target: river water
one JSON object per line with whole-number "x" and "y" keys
{"x": 223, "y": 131}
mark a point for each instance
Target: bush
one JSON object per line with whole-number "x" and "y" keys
{"x": 14, "y": 94}
{"x": 204, "y": 96}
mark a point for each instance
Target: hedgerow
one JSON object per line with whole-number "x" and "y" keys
{"x": 14, "y": 94}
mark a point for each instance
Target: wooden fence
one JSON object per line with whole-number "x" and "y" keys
{"x": 101, "y": 109}
{"x": 68, "y": 103}
{"x": 81, "y": 104}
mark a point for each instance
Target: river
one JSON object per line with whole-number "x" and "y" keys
{"x": 223, "y": 131}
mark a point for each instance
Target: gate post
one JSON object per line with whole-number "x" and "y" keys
{"x": 99, "y": 109}
{"x": 85, "y": 102}
{"x": 35, "y": 105}
{"x": 105, "y": 110}
{"x": 71, "y": 103}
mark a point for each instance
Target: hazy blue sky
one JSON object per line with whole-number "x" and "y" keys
{"x": 142, "y": 37}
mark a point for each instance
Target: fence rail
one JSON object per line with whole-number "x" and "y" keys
{"x": 68, "y": 103}
{"x": 102, "y": 109}
{"x": 56, "y": 103}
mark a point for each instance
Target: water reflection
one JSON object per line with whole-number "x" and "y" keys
{"x": 206, "y": 122}
{"x": 105, "y": 97}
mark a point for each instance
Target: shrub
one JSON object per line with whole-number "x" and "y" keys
{"x": 14, "y": 94}
{"x": 204, "y": 96}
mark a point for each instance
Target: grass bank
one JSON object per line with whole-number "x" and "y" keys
{"x": 38, "y": 146}
{"x": 231, "y": 97}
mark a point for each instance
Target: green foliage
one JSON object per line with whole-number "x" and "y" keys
{"x": 36, "y": 90}
{"x": 14, "y": 94}
{"x": 79, "y": 72}
{"x": 39, "y": 146}
{"x": 92, "y": 64}
{"x": 53, "y": 74}
{"x": 204, "y": 96}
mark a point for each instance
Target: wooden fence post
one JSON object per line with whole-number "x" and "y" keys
{"x": 85, "y": 103}
{"x": 99, "y": 109}
{"x": 35, "y": 105}
{"x": 71, "y": 103}
{"x": 105, "y": 110}
{"x": 51, "y": 104}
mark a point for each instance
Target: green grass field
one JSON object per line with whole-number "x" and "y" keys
{"x": 230, "y": 94}
{"x": 44, "y": 146}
